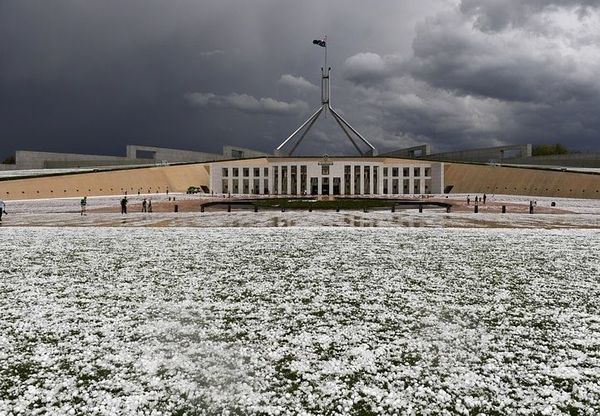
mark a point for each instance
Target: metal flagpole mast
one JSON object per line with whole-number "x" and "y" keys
{"x": 325, "y": 108}
{"x": 325, "y": 52}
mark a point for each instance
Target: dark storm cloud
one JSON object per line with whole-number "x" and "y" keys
{"x": 469, "y": 62}
{"x": 463, "y": 85}
{"x": 92, "y": 76}
{"x": 495, "y": 15}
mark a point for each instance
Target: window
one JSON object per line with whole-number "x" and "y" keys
{"x": 302, "y": 179}
{"x": 325, "y": 170}
{"x": 246, "y": 173}
{"x": 276, "y": 179}
{"x": 417, "y": 186}
{"x": 406, "y": 172}
{"x": 236, "y": 172}
{"x": 266, "y": 172}
{"x": 417, "y": 171}
{"x": 225, "y": 172}
{"x": 395, "y": 172}
{"x": 256, "y": 185}
{"x": 427, "y": 171}
{"x": 256, "y": 172}
{"x": 284, "y": 179}
{"x": 357, "y": 190}
{"x": 385, "y": 171}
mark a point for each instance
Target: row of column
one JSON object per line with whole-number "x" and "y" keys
{"x": 375, "y": 187}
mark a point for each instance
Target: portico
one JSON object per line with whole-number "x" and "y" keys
{"x": 326, "y": 176}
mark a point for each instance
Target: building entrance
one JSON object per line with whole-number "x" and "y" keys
{"x": 336, "y": 186}
{"x": 314, "y": 186}
{"x": 325, "y": 186}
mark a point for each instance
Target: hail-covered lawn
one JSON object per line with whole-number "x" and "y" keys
{"x": 299, "y": 321}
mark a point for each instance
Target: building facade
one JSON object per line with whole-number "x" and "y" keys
{"x": 327, "y": 176}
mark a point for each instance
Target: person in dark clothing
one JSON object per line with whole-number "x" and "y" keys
{"x": 144, "y": 205}
{"x": 484, "y": 198}
{"x": 2, "y": 209}
{"x": 83, "y": 204}
{"x": 124, "y": 205}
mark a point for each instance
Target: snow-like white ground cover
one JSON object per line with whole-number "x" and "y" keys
{"x": 316, "y": 320}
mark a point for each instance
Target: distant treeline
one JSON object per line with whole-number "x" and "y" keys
{"x": 549, "y": 149}
{"x": 10, "y": 160}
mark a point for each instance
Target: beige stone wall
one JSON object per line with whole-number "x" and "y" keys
{"x": 518, "y": 181}
{"x": 145, "y": 180}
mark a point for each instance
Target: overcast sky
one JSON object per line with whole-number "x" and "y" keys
{"x": 93, "y": 76}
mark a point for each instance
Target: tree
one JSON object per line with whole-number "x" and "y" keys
{"x": 549, "y": 149}
{"x": 10, "y": 160}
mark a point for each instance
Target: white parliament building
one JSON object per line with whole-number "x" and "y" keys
{"x": 374, "y": 176}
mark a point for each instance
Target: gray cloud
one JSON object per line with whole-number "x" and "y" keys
{"x": 298, "y": 84}
{"x": 212, "y": 54}
{"x": 495, "y": 15}
{"x": 247, "y": 104}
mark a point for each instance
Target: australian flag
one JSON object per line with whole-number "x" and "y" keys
{"x": 322, "y": 43}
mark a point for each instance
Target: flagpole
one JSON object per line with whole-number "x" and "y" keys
{"x": 327, "y": 72}
{"x": 325, "y": 52}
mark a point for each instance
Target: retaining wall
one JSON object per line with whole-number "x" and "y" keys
{"x": 116, "y": 182}
{"x": 480, "y": 179}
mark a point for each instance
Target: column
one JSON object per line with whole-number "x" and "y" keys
{"x": 289, "y": 180}
{"x": 361, "y": 180}
{"x": 279, "y": 181}
{"x": 351, "y": 179}
{"x": 319, "y": 184}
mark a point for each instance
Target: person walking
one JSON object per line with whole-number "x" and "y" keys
{"x": 124, "y": 205}
{"x": 149, "y": 205}
{"x": 83, "y": 204}
{"x": 484, "y": 198}
{"x": 468, "y": 199}
{"x": 2, "y": 209}
{"x": 144, "y": 205}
